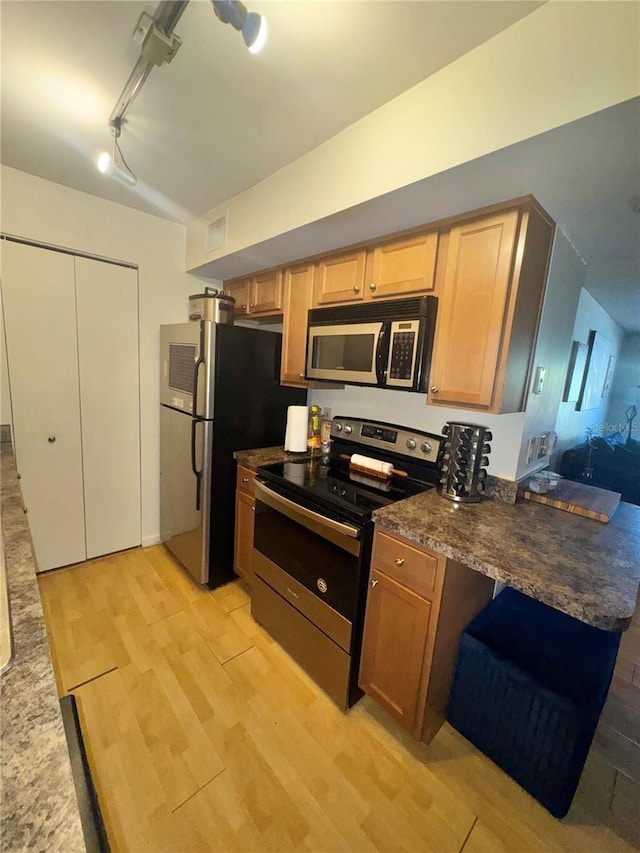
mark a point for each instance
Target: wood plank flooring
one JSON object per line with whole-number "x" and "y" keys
{"x": 203, "y": 735}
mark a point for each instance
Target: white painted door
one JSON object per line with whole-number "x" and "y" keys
{"x": 40, "y": 315}
{"x": 107, "y": 310}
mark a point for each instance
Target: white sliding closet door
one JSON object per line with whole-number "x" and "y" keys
{"x": 40, "y": 316}
{"x": 107, "y": 306}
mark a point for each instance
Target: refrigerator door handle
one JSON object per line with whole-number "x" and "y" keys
{"x": 194, "y": 468}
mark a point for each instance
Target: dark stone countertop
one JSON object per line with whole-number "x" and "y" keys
{"x": 38, "y": 805}
{"x": 265, "y": 456}
{"x": 582, "y": 567}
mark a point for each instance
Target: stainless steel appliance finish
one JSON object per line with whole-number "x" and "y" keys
{"x": 387, "y": 344}
{"x": 465, "y": 453}
{"x": 312, "y": 545}
{"x": 219, "y": 392}
{"x": 214, "y": 305}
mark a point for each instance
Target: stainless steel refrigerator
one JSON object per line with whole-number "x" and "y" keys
{"x": 219, "y": 392}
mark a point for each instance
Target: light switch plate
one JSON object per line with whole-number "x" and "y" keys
{"x": 538, "y": 380}
{"x": 532, "y": 449}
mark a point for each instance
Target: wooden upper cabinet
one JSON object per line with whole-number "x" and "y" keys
{"x": 492, "y": 287}
{"x": 339, "y": 279}
{"x": 403, "y": 267}
{"x": 239, "y": 289}
{"x": 258, "y": 295}
{"x": 298, "y": 299}
{"x": 266, "y": 293}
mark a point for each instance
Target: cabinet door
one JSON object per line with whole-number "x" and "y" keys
{"x": 107, "y": 306}
{"x": 403, "y": 267}
{"x": 340, "y": 279}
{"x": 395, "y": 638}
{"x": 240, "y": 291}
{"x": 40, "y": 315}
{"x": 266, "y": 294}
{"x": 245, "y": 510}
{"x": 472, "y": 310}
{"x": 298, "y": 298}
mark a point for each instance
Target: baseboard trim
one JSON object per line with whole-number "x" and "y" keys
{"x": 148, "y": 541}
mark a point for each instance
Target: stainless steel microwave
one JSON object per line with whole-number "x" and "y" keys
{"x": 386, "y": 344}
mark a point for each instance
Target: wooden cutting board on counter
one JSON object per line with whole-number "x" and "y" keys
{"x": 579, "y": 498}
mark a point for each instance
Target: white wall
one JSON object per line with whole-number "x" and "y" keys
{"x": 571, "y": 426}
{"x": 625, "y": 390}
{"x": 50, "y": 213}
{"x": 409, "y": 409}
{"x": 566, "y": 277}
{"x": 560, "y": 63}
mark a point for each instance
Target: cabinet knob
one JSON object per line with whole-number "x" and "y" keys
{"x": 372, "y": 286}
{"x": 244, "y": 307}
{"x": 245, "y": 479}
{"x": 399, "y": 562}
{"x": 301, "y": 375}
{"x": 434, "y": 389}
{"x": 374, "y": 582}
{"x": 356, "y": 289}
{"x": 251, "y": 305}
{"x": 51, "y": 439}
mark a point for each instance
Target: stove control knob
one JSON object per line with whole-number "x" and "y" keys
{"x": 343, "y": 492}
{"x": 348, "y": 429}
{"x": 411, "y": 444}
{"x": 338, "y": 427}
{"x": 425, "y": 447}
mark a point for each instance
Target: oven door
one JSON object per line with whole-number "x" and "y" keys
{"x": 310, "y": 560}
{"x": 351, "y": 352}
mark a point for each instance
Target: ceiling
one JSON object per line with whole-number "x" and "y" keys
{"x": 218, "y": 120}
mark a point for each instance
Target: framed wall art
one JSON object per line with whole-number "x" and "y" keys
{"x": 595, "y": 372}
{"x": 575, "y": 372}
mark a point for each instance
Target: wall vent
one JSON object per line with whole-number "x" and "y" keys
{"x": 217, "y": 233}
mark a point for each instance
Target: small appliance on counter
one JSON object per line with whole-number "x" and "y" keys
{"x": 214, "y": 305}
{"x": 464, "y": 461}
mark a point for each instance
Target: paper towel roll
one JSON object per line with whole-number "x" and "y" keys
{"x": 295, "y": 438}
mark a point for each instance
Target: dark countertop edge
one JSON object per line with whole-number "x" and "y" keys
{"x": 39, "y": 805}
{"x": 609, "y": 621}
{"x": 259, "y": 456}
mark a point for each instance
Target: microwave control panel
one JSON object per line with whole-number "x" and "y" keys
{"x": 402, "y": 353}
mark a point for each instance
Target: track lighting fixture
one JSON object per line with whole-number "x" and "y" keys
{"x": 114, "y": 164}
{"x": 252, "y": 26}
{"x": 158, "y": 45}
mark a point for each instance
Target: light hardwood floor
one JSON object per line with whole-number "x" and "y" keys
{"x": 202, "y": 734}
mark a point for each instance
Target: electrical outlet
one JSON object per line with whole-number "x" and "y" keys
{"x": 532, "y": 449}
{"x": 543, "y": 445}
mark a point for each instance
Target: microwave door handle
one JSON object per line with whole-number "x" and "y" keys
{"x": 382, "y": 354}
{"x": 194, "y": 468}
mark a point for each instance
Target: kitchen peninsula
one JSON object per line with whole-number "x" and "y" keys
{"x": 582, "y": 567}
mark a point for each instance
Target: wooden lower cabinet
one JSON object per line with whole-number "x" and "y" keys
{"x": 392, "y": 658}
{"x": 411, "y": 633}
{"x": 245, "y": 515}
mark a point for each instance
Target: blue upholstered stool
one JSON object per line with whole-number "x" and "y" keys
{"x": 528, "y": 689}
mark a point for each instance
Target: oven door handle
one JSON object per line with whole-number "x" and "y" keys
{"x": 288, "y": 507}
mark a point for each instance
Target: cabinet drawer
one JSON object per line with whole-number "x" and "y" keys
{"x": 412, "y": 568}
{"x": 244, "y": 479}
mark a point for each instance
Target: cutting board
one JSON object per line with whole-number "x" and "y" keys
{"x": 579, "y": 498}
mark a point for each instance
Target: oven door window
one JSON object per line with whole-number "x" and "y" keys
{"x": 323, "y": 568}
{"x": 345, "y": 353}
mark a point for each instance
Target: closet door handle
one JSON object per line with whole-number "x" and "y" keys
{"x": 51, "y": 439}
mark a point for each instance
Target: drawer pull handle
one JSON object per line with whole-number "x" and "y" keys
{"x": 245, "y": 479}
{"x": 399, "y": 562}
{"x": 374, "y": 582}
{"x": 356, "y": 289}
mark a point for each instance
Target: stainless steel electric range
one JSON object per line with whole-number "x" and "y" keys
{"x": 312, "y": 544}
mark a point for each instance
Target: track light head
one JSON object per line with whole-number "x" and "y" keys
{"x": 252, "y": 26}
{"x": 114, "y": 165}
